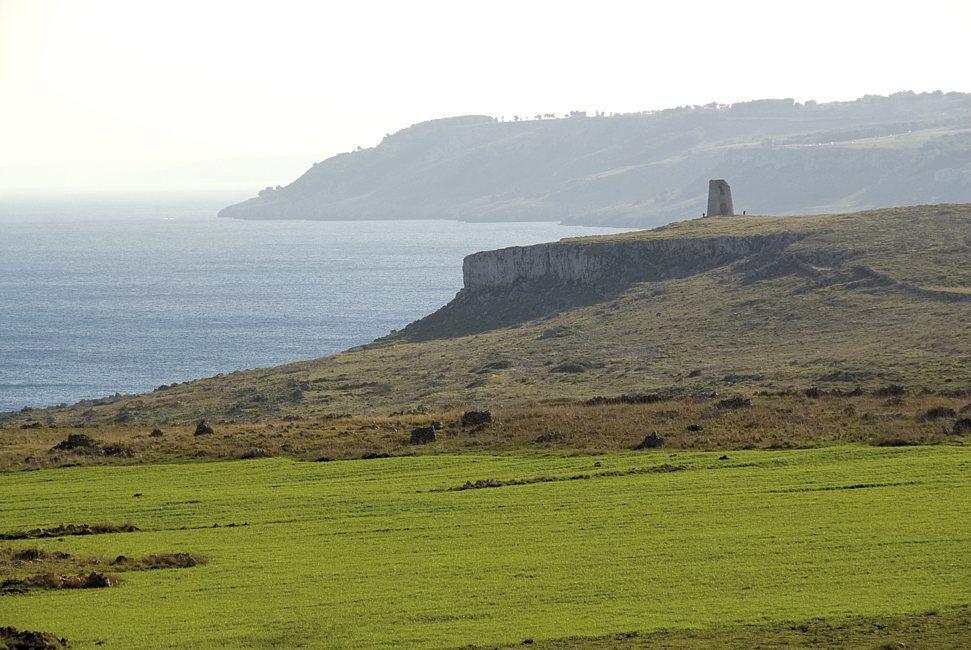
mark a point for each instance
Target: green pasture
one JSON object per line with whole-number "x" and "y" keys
{"x": 375, "y": 553}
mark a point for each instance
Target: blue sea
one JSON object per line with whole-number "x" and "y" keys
{"x": 122, "y": 295}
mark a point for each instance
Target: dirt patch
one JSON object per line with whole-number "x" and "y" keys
{"x": 29, "y": 569}
{"x": 93, "y": 580}
{"x": 69, "y": 529}
{"x": 14, "y": 639}
{"x": 495, "y": 483}
{"x": 158, "y": 561}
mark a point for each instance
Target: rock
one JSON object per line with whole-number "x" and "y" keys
{"x": 422, "y": 435}
{"x": 203, "y": 429}
{"x": 156, "y": 433}
{"x": 652, "y": 441}
{"x": 476, "y": 418}
{"x": 693, "y": 427}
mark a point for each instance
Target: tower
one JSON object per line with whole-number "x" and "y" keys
{"x": 720, "y": 199}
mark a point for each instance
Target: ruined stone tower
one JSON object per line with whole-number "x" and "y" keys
{"x": 719, "y": 199}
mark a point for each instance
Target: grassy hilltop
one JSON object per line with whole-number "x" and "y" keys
{"x": 864, "y": 299}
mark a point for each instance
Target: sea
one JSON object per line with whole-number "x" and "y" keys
{"x": 122, "y": 294}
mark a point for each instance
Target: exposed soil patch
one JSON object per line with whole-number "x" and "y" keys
{"x": 494, "y": 483}
{"x": 14, "y": 639}
{"x": 93, "y": 580}
{"x": 69, "y": 529}
{"x": 28, "y": 569}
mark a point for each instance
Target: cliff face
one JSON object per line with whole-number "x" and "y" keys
{"x": 609, "y": 263}
{"x": 512, "y": 285}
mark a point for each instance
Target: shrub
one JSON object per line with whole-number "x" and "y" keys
{"x": 476, "y": 418}
{"x": 203, "y": 428}
{"x": 652, "y": 441}
{"x": 422, "y": 435}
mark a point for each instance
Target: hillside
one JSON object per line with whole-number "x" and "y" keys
{"x": 736, "y": 304}
{"x": 645, "y": 169}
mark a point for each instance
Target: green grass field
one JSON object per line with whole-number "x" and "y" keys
{"x": 380, "y": 553}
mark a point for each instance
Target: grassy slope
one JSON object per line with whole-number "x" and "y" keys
{"x": 363, "y": 554}
{"x": 910, "y": 326}
{"x": 770, "y": 422}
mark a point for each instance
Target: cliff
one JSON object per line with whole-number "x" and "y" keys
{"x": 516, "y": 284}
{"x": 645, "y": 169}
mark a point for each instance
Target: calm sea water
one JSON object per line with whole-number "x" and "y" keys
{"x": 97, "y": 299}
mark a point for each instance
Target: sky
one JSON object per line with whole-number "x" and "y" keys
{"x": 145, "y": 95}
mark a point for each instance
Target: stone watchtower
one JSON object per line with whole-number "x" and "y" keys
{"x": 720, "y": 199}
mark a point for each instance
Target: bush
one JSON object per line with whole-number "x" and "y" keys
{"x": 936, "y": 413}
{"x": 203, "y": 429}
{"x": 422, "y": 435}
{"x": 735, "y": 402}
{"x": 476, "y": 418}
{"x": 652, "y": 441}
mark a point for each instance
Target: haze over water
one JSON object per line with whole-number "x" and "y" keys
{"x": 122, "y": 297}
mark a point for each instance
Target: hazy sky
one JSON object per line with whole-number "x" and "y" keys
{"x": 146, "y": 84}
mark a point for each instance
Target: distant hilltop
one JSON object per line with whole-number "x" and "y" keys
{"x": 646, "y": 169}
